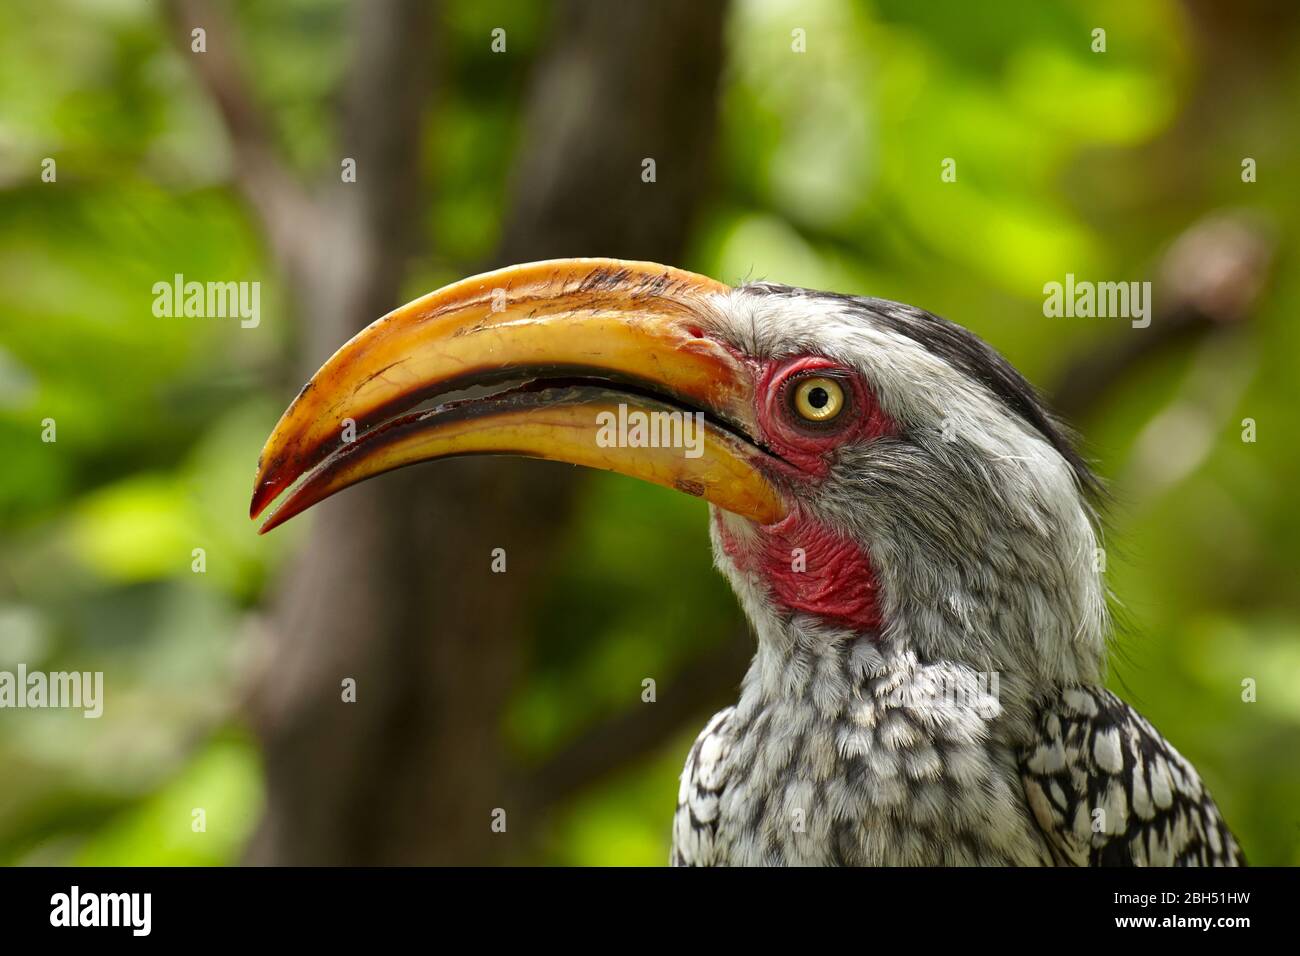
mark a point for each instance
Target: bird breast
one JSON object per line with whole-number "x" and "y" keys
{"x": 836, "y": 754}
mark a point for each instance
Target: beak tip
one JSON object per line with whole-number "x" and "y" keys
{"x": 274, "y": 521}
{"x": 264, "y": 491}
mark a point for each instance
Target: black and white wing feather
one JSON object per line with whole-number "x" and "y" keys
{"x": 1108, "y": 790}
{"x": 695, "y": 824}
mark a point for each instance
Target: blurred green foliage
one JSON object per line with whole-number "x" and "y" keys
{"x": 827, "y": 176}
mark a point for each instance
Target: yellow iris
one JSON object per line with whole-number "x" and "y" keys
{"x": 818, "y": 399}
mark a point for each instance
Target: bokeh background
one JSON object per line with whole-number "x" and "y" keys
{"x": 522, "y": 691}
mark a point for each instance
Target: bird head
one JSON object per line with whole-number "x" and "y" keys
{"x": 873, "y": 471}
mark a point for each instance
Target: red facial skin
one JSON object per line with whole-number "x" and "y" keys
{"x": 836, "y": 582}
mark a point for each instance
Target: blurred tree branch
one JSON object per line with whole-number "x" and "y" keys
{"x": 1209, "y": 280}
{"x": 701, "y": 687}
{"x": 283, "y": 206}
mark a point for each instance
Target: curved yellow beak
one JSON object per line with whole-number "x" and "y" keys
{"x": 596, "y": 362}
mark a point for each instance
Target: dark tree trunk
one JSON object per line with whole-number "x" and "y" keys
{"x": 394, "y": 588}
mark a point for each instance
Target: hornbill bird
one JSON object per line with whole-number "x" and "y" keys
{"x": 907, "y": 527}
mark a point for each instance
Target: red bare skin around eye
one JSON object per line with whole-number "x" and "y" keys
{"x": 834, "y": 580}
{"x": 808, "y": 448}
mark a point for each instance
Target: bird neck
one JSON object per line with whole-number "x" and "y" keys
{"x": 1036, "y": 623}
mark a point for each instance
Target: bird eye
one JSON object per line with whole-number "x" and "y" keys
{"x": 818, "y": 399}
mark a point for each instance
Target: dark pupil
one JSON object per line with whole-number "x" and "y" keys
{"x": 818, "y": 398}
